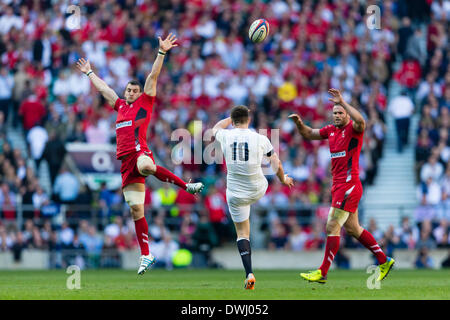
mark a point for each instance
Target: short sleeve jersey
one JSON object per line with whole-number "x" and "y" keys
{"x": 132, "y": 123}
{"x": 345, "y": 147}
{"x": 243, "y": 150}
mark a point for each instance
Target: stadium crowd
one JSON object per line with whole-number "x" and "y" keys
{"x": 313, "y": 45}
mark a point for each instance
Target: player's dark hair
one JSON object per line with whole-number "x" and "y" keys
{"x": 134, "y": 83}
{"x": 239, "y": 114}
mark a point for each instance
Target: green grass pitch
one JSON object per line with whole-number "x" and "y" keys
{"x": 189, "y": 284}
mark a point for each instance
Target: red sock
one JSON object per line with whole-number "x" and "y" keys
{"x": 165, "y": 175}
{"x": 370, "y": 243}
{"x": 142, "y": 235}
{"x": 331, "y": 248}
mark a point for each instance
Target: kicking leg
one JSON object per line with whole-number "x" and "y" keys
{"x": 241, "y": 218}
{"x": 243, "y": 244}
{"x": 146, "y": 167}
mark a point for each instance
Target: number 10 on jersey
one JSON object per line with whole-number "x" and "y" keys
{"x": 243, "y": 151}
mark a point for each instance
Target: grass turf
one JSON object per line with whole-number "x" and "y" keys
{"x": 191, "y": 284}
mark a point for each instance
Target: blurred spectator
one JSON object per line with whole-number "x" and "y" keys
{"x": 2, "y": 124}
{"x": 431, "y": 169}
{"x": 116, "y": 229}
{"x": 404, "y": 34}
{"x": 215, "y": 204}
{"x": 18, "y": 247}
{"x": 40, "y": 198}
{"x": 36, "y": 239}
{"x": 441, "y": 234}
{"x": 426, "y": 236}
{"x": 297, "y": 238}
{"x": 164, "y": 250}
{"x": 317, "y": 237}
{"x": 66, "y": 235}
{"x": 37, "y": 139}
{"x": 106, "y": 198}
{"x": 390, "y": 241}
{"x": 445, "y": 187}
{"x": 157, "y": 228}
{"x": 415, "y": 48}
{"x": 55, "y": 248}
{"x": 54, "y": 152}
{"x": 46, "y": 232}
{"x": 187, "y": 230}
{"x": 93, "y": 243}
{"x": 6, "y": 241}
{"x": 165, "y": 198}
{"x": 423, "y": 260}
{"x": 342, "y": 259}
{"x": 74, "y": 253}
{"x": 6, "y": 86}
{"x": 204, "y": 240}
{"x": 278, "y": 236}
{"x": 423, "y": 148}
{"x": 407, "y": 233}
{"x": 27, "y": 231}
{"x": 32, "y": 111}
{"x": 110, "y": 256}
{"x": 9, "y": 20}
{"x": 441, "y": 9}
{"x": 429, "y": 192}
{"x": 19, "y": 91}
{"x": 401, "y": 108}
{"x": 185, "y": 202}
{"x": 427, "y": 86}
{"x": 275, "y": 196}
{"x": 409, "y": 76}
{"x": 7, "y": 202}
{"x": 66, "y": 187}
{"x": 373, "y": 229}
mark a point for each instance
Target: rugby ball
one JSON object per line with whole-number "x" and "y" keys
{"x": 259, "y": 30}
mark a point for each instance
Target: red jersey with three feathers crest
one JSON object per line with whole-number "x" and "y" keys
{"x": 345, "y": 148}
{"x": 132, "y": 124}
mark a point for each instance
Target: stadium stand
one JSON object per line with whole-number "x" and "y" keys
{"x": 313, "y": 45}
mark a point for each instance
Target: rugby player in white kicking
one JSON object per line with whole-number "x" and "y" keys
{"x": 244, "y": 150}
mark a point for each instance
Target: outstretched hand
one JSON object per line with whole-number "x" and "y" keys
{"x": 168, "y": 43}
{"x": 296, "y": 118}
{"x": 288, "y": 181}
{"x": 83, "y": 65}
{"x": 337, "y": 97}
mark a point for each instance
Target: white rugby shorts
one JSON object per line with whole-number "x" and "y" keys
{"x": 239, "y": 207}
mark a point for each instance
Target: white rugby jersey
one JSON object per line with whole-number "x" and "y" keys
{"x": 243, "y": 150}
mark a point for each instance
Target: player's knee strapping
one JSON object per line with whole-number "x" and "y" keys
{"x": 134, "y": 197}
{"x": 338, "y": 215}
{"x": 145, "y": 165}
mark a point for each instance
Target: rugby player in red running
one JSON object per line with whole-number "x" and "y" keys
{"x": 133, "y": 118}
{"x": 345, "y": 139}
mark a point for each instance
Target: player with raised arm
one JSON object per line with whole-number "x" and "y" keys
{"x": 133, "y": 118}
{"x": 345, "y": 139}
{"x": 244, "y": 150}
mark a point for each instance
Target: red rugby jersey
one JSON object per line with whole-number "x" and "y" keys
{"x": 345, "y": 147}
{"x": 132, "y": 123}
